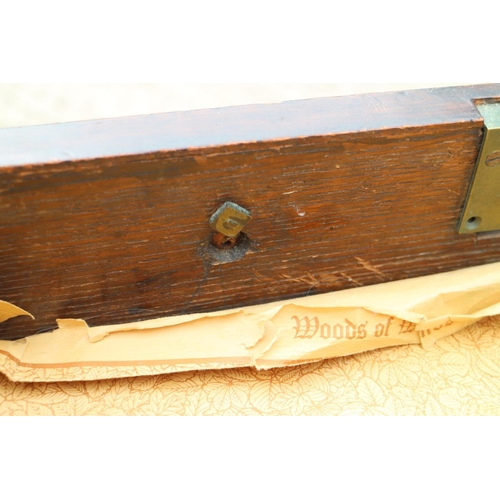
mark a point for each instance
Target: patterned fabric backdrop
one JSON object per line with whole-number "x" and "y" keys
{"x": 459, "y": 376}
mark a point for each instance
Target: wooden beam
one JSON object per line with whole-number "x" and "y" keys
{"x": 108, "y": 220}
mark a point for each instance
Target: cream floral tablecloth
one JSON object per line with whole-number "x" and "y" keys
{"x": 459, "y": 376}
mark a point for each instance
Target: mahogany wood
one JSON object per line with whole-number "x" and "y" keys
{"x": 108, "y": 220}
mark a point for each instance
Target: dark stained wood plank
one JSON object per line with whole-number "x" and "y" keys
{"x": 108, "y": 220}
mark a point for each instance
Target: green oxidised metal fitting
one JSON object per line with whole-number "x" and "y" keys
{"x": 230, "y": 220}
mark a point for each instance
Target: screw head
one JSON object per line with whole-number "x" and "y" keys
{"x": 230, "y": 219}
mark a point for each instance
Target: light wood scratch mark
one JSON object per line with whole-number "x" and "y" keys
{"x": 372, "y": 268}
{"x": 351, "y": 279}
{"x": 313, "y": 281}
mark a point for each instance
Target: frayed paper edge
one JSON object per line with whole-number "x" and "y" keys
{"x": 8, "y": 311}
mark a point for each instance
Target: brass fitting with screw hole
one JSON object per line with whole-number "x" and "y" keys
{"x": 228, "y": 223}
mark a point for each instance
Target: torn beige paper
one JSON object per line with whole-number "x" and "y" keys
{"x": 8, "y": 311}
{"x": 416, "y": 311}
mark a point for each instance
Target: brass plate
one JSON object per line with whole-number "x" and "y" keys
{"x": 482, "y": 209}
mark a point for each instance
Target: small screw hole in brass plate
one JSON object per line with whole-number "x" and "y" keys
{"x": 473, "y": 223}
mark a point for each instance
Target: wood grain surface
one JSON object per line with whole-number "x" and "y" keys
{"x": 108, "y": 220}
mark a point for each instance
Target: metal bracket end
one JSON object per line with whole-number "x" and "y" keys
{"x": 482, "y": 208}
